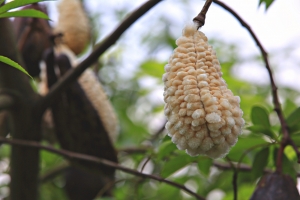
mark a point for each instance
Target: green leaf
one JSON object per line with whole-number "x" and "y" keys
{"x": 260, "y": 162}
{"x": 17, "y": 4}
{"x": 13, "y": 64}
{"x": 289, "y": 107}
{"x": 263, "y": 130}
{"x": 243, "y": 145}
{"x": 267, "y": 2}
{"x": 204, "y": 165}
{"x": 165, "y": 149}
{"x": 175, "y": 164}
{"x": 1, "y": 1}
{"x": 153, "y": 68}
{"x": 25, "y": 13}
{"x": 293, "y": 121}
{"x": 260, "y": 116}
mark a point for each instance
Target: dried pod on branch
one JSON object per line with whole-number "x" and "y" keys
{"x": 73, "y": 23}
{"x": 276, "y": 186}
{"x": 85, "y": 122}
{"x": 204, "y": 117}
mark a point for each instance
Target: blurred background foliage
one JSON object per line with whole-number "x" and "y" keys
{"x": 136, "y": 94}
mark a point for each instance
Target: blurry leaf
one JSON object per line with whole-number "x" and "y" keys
{"x": 267, "y": 2}
{"x": 290, "y": 153}
{"x": 1, "y": 1}
{"x": 13, "y": 64}
{"x": 296, "y": 138}
{"x": 260, "y": 116}
{"x": 293, "y": 121}
{"x": 243, "y": 144}
{"x": 153, "y": 68}
{"x": 165, "y": 149}
{"x": 263, "y": 130}
{"x": 244, "y": 192}
{"x": 289, "y": 107}
{"x": 204, "y": 165}
{"x": 260, "y": 162}
{"x": 25, "y": 13}
{"x": 17, "y": 3}
{"x": 175, "y": 164}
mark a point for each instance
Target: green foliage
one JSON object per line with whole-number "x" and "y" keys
{"x": 25, "y": 13}
{"x": 293, "y": 121}
{"x": 16, "y": 4}
{"x": 266, "y": 2}
{"x": 13, "y": 64}
{"x": 260, "y": 162}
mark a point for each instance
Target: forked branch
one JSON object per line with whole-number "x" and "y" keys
{"x": 78, "y": 156}
{"x": 286, "y": 140}
{"x": 73, "y": 74}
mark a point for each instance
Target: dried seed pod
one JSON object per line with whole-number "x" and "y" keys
{"x": 73, "y": 24}
{"x": 93, "y": 90}
{"x": 204, "y": 117}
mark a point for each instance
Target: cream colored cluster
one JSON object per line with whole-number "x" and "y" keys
{"x": 73, "y": 24}
{"x": 204, "y": 117}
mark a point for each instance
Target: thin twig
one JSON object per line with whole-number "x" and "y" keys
{"x": 78, "y": 156}
{"x": 145, "y": 163}
{"x": 134, "y": 150}
{"x": 286, "y": 137}
{"x": 74, "y": 73}
{"x": 234, "y": 178}
{"x": 200, "y": 18}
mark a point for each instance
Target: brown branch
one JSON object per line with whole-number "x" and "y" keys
{"x": 73, "y": 74}
{"x": 78, "y": 156}
{"x": 286, "y": 140}
{"x": 200, "y": 18}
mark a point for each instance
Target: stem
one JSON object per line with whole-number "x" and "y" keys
{"x": 234, "y": 178}
{"x": 74, "y": 73}
{"x": 200, "y": 18}
{"x": 277, "y": 107}
{"x": 22, "y": 124}
{"x": 78, "y": 156}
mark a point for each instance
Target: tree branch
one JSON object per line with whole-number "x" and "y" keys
{"x": 78, "y": 156}
{"x": 73, "y": 74}
{"x": 286, "y": 140}
{"x": 200, "y": 18}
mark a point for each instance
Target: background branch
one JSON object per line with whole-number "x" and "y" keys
{"x": 78, "y": 156}
{"x": 74, "y": 73}
{"x": 277, "y": 107}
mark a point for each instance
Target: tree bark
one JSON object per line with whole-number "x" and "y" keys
{"x": 23, "y": 124}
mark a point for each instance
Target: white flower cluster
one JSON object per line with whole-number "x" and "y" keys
{"x": 204, "y": 117}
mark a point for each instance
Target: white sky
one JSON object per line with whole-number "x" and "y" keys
{"x": 278, "y": 29}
